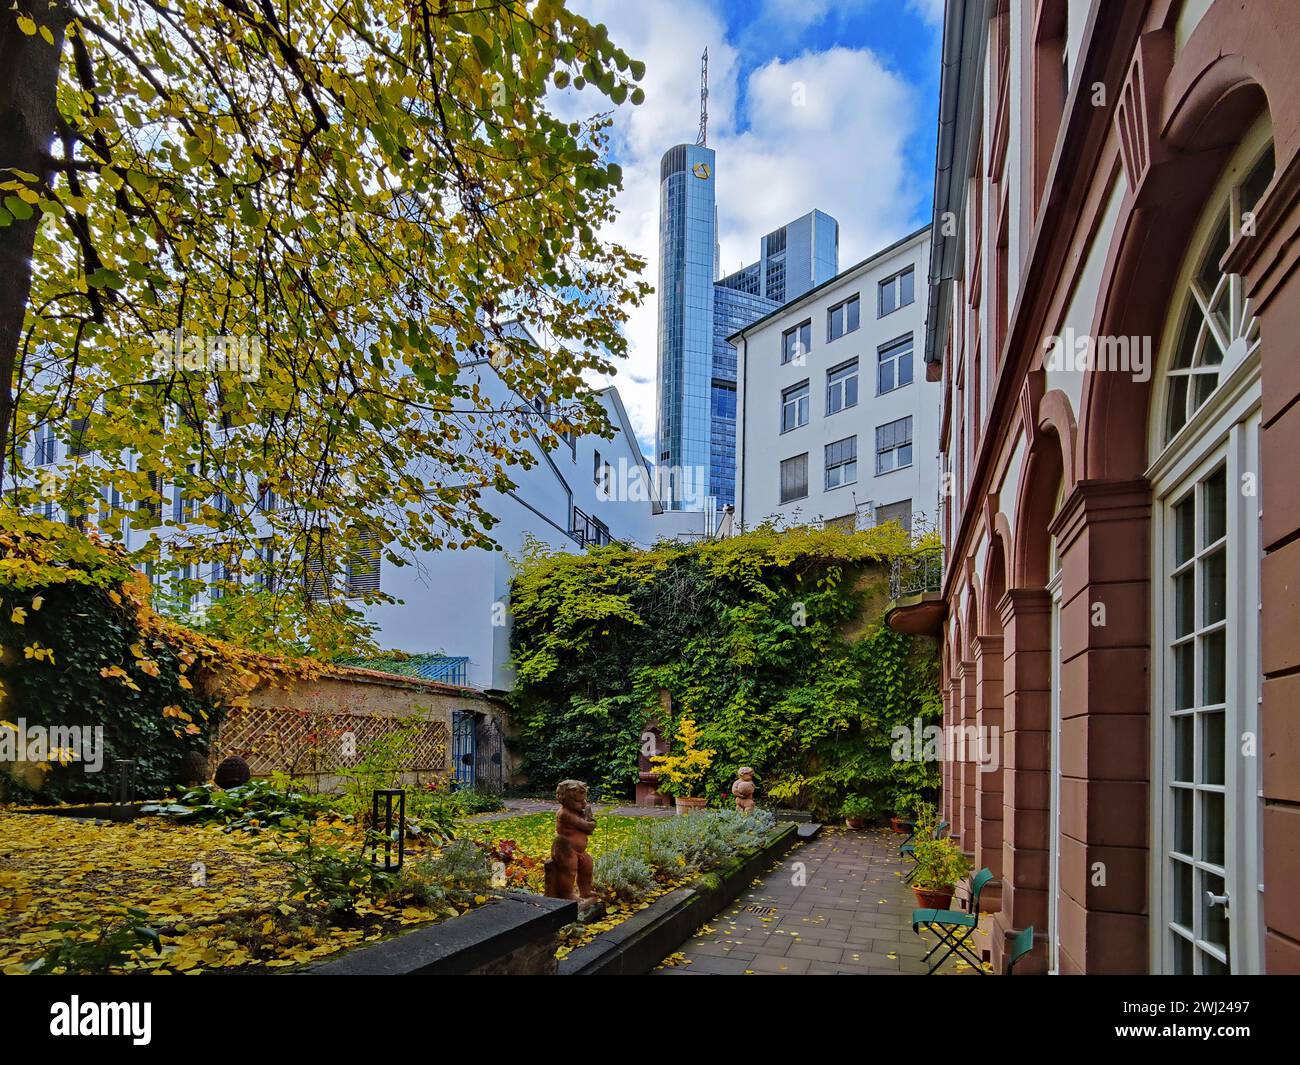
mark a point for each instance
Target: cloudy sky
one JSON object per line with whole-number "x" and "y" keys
{"x": 812, "y": 103}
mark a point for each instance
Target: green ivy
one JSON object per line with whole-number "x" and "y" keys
{"x": 773, "y": 641}
{"x": 62, "y": 593}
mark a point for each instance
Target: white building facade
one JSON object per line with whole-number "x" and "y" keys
{"x": 836, "y": 421}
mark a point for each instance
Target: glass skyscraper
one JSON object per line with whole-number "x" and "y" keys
{"x": 696, "y": 447}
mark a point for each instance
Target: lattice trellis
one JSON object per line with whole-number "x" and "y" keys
{"x": 295, "y": 741}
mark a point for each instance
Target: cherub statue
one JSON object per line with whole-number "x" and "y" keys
{"x": 743, "y": 789}
{"x": 568, "y": 870}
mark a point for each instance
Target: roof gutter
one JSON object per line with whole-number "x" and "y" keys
{"x": 959, "y": 93}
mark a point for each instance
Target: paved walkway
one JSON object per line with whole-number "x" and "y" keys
{"x": 838, "y": 906}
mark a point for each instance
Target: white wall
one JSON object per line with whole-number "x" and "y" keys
{"x": 760, "y": 444}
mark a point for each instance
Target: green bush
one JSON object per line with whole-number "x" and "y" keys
{"x": 667, "y": 848}
{"x": 246, "y": 807}
{"x": 457, "y": 874}
{"x": 771, "y": 641}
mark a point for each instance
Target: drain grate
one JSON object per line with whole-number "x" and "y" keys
{"x": 762, "y": 911}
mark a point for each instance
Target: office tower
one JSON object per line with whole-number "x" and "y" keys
{"x": 696, "y": 445}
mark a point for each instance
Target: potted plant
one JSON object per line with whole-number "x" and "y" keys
{"x": 857, "y": 810}
{"x": 905, "y": 807}
{"x": 682, "y": 774}
{"x": 940, "y": 863}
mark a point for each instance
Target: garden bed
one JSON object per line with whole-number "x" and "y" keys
{"x": 636, "y": 945}
{"x": 220, "y": 901}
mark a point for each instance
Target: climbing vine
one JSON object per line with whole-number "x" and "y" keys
{"x": 81, "y": 646}
{"x": 773, "y": 642}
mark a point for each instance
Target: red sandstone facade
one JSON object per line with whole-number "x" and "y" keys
{"x": 1121, "y": 599}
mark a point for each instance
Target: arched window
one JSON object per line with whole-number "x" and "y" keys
{"x": 1217, "y": 328}
{"x": 1205, "y": 595}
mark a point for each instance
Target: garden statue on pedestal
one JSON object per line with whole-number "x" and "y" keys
{"x": 743, "y": 789}
{"x": 568, "y": 869}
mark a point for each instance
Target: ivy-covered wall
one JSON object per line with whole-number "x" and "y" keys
{"x": 773, "y": 641}
{"x": 80, "y": 647}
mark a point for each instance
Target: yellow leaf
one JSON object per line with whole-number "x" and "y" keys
{"x": 27, "y": 25}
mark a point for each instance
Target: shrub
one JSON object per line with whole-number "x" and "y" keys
{"x": 247, "y": 807}
{"x": 624, "y": 874}
{"x": 940, "y": 863}
{"x": 334, "y": 877}
{"x": 461, "y": 871}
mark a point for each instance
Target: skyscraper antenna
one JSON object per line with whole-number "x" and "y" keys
{"x": 703, "y": 138}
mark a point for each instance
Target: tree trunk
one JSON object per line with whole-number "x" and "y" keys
{"x": 29, "y": 72}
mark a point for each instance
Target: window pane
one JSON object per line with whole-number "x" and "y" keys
{"x": 1182, "y": 894}
{"x": 1215, "y": 503}
{"x": 1184, "y": 603}
{"x": 1214, "y": 587}
{"x": 1184, "y": 530}
{"x": 885, "y": 377}
{"x": 905, "y": 368}
{"x": 1184, "y": 676}
{"x": 1215, "y": 918}
{"x": 1184, "y": 757}
{"x": 905, "y": 455}
{"x": 1183, "y": 820}
{"x": 853, "y": 313}
{"x": 1213, "y": 668}
{"x": 907, "y": 283}
{"x": 1212, "y": 753}
{"x": 851, "y": 390}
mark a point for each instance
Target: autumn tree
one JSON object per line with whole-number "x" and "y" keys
{"x": 248, "y": 247}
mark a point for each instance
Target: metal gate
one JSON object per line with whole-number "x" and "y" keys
{"x": 489, "y": 756}
{"x": 463, "y": 747}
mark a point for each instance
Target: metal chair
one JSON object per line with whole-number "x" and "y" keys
{"x": 953, "y": 927}
{"x": 1021, "y": 944}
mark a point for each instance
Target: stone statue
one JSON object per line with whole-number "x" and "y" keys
{"x": 743, "y": 789}
{"x": 568, "y": 869}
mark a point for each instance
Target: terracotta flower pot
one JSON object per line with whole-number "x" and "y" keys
{"x": 897, "y": 824}
{"x": 855, "y": 822}
{"x": 687, "y": 805}
{"x": 933, "y": 898}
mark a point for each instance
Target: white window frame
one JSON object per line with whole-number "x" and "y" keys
{"x": 1225, "y": 429}
{"x": 798, "y": 399}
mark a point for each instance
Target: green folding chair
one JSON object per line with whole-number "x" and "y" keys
{"x": 1021, "y": 944}
{"x": 906, "y": 850}
{"x": 953, "y": 927}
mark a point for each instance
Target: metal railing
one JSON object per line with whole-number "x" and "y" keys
{"x": 917, "y": 573}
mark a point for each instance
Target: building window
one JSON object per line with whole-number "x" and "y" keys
{"x": 796, "y": 342}
{"x": 363, "y": 564}
{"x": 842, "y": 462}
{"x": 794, "y": 478}
{"x": 266, "y": 497}
{"x": 842, "y": 318}
{"x": 1206, "y": 538}
{"x": 603, "y": 474}
{"x": 897, "y": 291}
{"x": 46, "y": 448}
{"x": 894, "y": 368}
{"x": 900, "y": 512}
{"x": 794, "y": 407}
{"x": 842, "y": 387}
{"x": 265, "y": 552}
{"x": 894, "y": 445}
{"x": 77, "y": 446}
{"x": 1216, "y": 313}
{"x": 315, "y": 566}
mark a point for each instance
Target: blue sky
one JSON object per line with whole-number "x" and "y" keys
{"x": 812, "y": 104}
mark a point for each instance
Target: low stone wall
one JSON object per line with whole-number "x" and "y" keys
{"x": 317, "y": 729}
{"x": 515, "y": 935}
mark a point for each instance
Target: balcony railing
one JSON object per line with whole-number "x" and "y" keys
{"x": 917, "y": 573}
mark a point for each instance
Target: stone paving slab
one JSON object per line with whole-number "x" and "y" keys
{"x": 835, "y": 906}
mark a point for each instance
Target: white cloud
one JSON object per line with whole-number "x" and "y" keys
{"x": 825, "y": 129}
{"x": 930, "y": 10}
